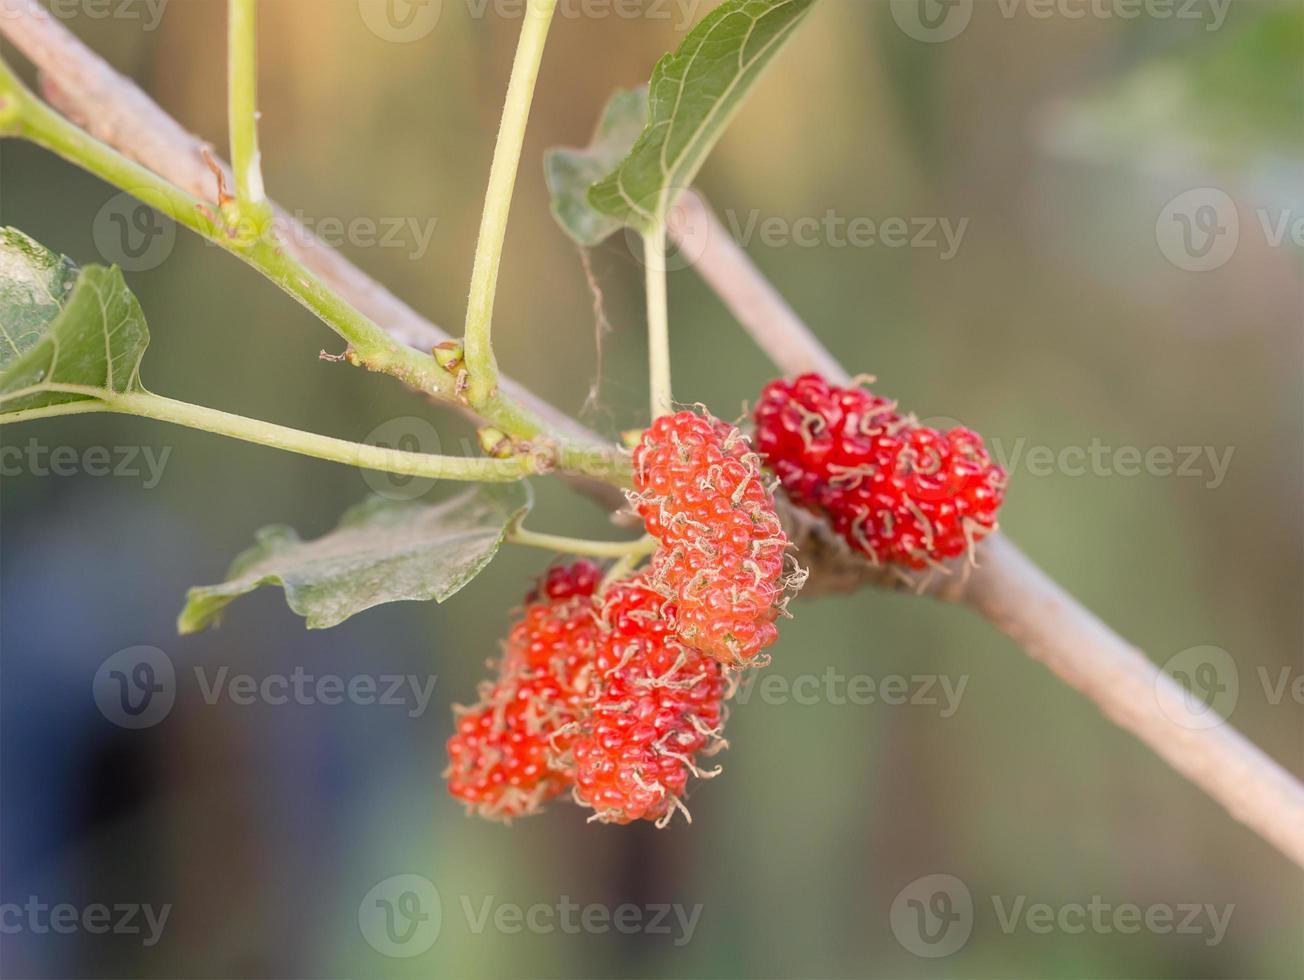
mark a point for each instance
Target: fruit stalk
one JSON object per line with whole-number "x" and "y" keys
{"x": 658, "y": 321}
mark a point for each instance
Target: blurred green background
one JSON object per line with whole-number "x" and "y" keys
{"x": 1068, "y": 314}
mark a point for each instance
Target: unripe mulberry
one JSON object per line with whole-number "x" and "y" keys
{"x": 502, "y": 753}
{"x": 499, "y": 756}
{"x": 658, "y": 706}
{"x": 721, "y": 553}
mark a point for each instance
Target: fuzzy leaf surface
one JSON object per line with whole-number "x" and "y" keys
{"x": 571, "y": 172}
{"x": 381, "y": 551}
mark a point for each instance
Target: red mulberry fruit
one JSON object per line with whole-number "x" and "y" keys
{"x": 502, "y": 756}
{"x": 897, "y": 491}
{"x": 658, "y": 705}
{"x": 721, "y": 553}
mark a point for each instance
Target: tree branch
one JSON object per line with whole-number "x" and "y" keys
{"x": 113, "y": 109}
{"x": 1011, "y": 592}
{"x": 1054, "y": 628}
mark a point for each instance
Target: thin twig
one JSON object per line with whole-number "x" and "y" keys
{"x": 1054, "y": 628}
{"x": 601, "y": 327}
{"x": 113, "y": 109}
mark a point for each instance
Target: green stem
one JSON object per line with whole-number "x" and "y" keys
{"x": 369, "y": 345}
{"x": 24, "y": 115}
{"x": 626, "y": 564}
{"x": 51, "y": 411}
{"x": 605, "y": 462}
{"x": 582, "y": 546}
{"x": 658, "y": 320}
{"x": 242, "y": 111}
{"x": 481, "y": 366}
{"x": 153, "y": 406}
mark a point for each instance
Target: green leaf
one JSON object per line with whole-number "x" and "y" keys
{"x": 382, "y": 551}
{"x": 65, "y": 335}
{"x": 694, "y": 93}
{"x": 571, "y": 172}
{"x": 34, "y": 285}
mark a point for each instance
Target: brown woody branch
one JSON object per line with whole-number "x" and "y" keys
{"x": 1017, "y": 597}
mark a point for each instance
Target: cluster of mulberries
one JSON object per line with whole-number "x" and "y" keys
{"x": 617, "y": 693}
{"x": 595, "y": 694}
{"x": 897, "y": 491}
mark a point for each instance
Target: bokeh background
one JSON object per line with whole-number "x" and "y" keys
{"x": 1070, "y": 314}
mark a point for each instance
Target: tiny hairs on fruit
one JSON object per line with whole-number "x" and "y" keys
{"x": 897, "y": 491}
